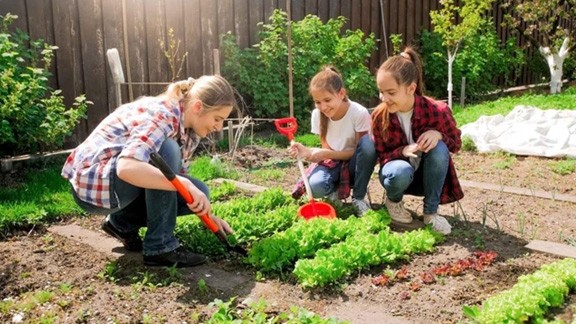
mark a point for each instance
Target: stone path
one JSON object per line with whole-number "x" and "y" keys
{"x": 215, "y": 278}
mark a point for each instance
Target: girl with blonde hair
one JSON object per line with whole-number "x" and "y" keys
{"x": 110, "y": 171}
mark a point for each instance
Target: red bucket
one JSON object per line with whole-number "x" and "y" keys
{"x": 316, "y": 209}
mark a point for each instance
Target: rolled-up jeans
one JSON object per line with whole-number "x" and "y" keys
{"x": 398, "y": 177}
{"x": 324, "y": 180}
{"x": 155, "y": 209}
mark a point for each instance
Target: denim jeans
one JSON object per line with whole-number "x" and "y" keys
{"x": 399, "y": 177}
{"x": 324, "y": 181}
{"x": 155, "y": 209}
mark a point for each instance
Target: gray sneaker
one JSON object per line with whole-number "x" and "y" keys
{"x": 397, "y": 211}
{"x": 361, "y": 206}
{"x": 439, "y": 223}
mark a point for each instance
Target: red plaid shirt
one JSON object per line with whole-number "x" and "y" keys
{"x": 428, "y": 115}
{"x": 133, "y": 130}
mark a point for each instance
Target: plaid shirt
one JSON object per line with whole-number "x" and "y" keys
{"x": 428, "y": 115}
{"x": 134, "y": 130}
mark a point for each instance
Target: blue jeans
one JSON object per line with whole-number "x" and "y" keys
{"x": 399, "y": 177}
{"x": 324, "y": 181}
{"x": 155, "y": 209}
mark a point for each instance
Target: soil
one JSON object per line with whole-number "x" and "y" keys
{"x": 484, "y": 220}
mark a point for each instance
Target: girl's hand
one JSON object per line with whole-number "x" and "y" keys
{"x": 298, "y": 150}
{"x": 222, "y": 224}
{"x": 201, "y": 204}
{"x": 318, "y": 155}
{"x": 410, "y": 150}
{"x": 428, "y": 140}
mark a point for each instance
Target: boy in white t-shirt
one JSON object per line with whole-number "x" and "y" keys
{"x": 347, "y": 156}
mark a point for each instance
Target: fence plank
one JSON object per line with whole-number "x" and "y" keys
{"x": 393, "y": 18}
{"x": 155, "y": 34}
{"x": 193, "y": 38}
{"x": 298, "y": 10}
{"x": 334, "y": 10}
{"x": 17, "y": 8}
{"x": 137, "y": 50}
{"x": 113, "y": 38}
{"x": 269, "y": 7}
{"x": 93, "y": 61}
{"x": 410, "y": 21}
{"x": 175, "y": 22}
{"x": 209, "y": 23}
{"x": 346, "y": 11}
{"x": 355, "y": 16}
{"x": 241, "y": 29}
{"x": 40, "y": 12}
{"x": 375, "y": 27}
{"x": 69, "y": 57}
{"x": 324, "y": 10}
{"x": 310, "y": 7}
{"x": 256, "y": 13}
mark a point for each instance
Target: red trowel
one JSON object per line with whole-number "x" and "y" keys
{"x": 287, "y": 127}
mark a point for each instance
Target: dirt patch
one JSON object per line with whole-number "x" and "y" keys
{"x": 483, "y": 220}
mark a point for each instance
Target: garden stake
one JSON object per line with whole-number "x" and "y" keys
{"x": 157, "y": 160}
{"x": 287, "y": 127}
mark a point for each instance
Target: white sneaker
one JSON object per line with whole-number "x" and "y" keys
{"x": 439, "y": 223}
{"x": 361, "y": 206}
{"x": 397, "y": 211}
{"x": 333, "y": 199}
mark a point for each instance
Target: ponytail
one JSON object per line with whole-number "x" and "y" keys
{"x": 178, "y": 90}
{"x": 212, "y": 90}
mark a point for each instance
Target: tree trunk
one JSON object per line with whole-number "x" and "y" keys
{"x": 451, "y": 58}
{"x": 555, "y": 62}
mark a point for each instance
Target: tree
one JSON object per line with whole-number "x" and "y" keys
{"x": 542, "y": 23}
{"x": 455, "y": 23}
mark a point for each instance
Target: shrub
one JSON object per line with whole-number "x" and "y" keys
{"x": 32, "y": 117}
{"x": 482, "y": 60}
{"x": 261, "y": 73}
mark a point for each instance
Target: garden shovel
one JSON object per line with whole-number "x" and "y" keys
{"x": 287, "y": 127}
{"x": 157, "y": 160}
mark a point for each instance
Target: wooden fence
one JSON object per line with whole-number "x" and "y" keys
{"x": 83, "y": 30}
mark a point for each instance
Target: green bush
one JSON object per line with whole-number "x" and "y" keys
{"x": 261, "y": 73}
{"x": 32, "y": 117}
{"x": 482, "y": 60}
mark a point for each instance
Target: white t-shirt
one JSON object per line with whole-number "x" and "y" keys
{"x": 405, "y": 119}
{"x": 341, "y": 133}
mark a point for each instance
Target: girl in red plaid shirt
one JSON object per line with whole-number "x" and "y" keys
{"x": 414, "y": 136}
{"x": 110, "y": 174}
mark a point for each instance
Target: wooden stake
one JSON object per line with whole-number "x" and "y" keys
{"x": 289, "y": 41}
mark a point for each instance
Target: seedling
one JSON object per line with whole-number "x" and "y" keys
{"x": 202, "y": 286}
{"x": 110, "y": 272}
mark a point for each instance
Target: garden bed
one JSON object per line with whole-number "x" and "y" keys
{"x": 485, "y": 220}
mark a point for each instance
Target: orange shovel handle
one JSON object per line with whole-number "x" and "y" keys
{"x": 169, "y": 174}
{"x": 188, "y": 198}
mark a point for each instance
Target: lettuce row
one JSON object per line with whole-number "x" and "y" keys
{"x": 360, "y": 251}
{"x": 304, "y": 238}
{"x": 530, "y": 298}
{"x": 251, "y": 218}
